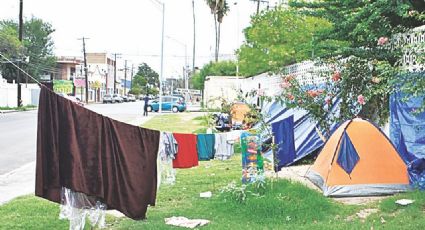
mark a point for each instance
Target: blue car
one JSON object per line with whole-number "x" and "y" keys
{"x": 169, "y": 103}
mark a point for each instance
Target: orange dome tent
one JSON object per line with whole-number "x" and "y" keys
{"x": 359, "y": 160}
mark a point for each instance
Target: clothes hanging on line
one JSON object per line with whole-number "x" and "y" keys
{"x": 205, "y": 146}
{"x": 187, "y": 155}
{"x": 95, "y": 155}
{"x": 170, "y": 145}
{"x": 252, "y": 160}
{"x": 223, "y": 147}
{"x": 168, "y": 148}
{"x": 234, "y": 135}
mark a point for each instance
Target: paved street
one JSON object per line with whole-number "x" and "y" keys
{"x": 18, "y": 144}
{"x": 19, "y": 131}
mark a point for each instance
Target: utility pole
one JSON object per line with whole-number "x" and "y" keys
{"x": 18, "y": 76}
{"x": 115, "y": 71}
{"x": 85, "y": 69}
{"x": 125, "y": 76}
{"x": 162, "y": 58}
{"x": 162, "y": 54}
{"x": 258, "y": 4}
{"x": 131, "y": 79}
{"x": 194, "y": 37}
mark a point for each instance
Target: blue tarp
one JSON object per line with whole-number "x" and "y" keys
{"x": 347, "y": 156}
{"x": 307, "y": 136}
{"x": 416, "y": 171}
{"x": 283, "y": 131}
{"x": 407, "y": 132}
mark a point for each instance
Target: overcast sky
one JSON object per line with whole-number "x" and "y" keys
{"x": 133, "y": 28}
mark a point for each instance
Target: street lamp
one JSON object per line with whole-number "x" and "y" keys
{"x": 162, "y": 55}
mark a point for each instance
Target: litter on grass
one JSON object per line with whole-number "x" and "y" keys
{"x": 181, "y": 221}
{"x": 205, "y": 194}
{"x": 404, "y": 202}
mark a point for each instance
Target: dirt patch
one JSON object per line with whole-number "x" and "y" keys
{"x": 298, "y": 173}
{"x": 363, "y": 214}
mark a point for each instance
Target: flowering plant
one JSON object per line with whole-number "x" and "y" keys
{"x": 352, "y": 87}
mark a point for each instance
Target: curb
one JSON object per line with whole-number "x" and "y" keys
{"x": 8, "y": 111}
{"x": 16, "y": 111}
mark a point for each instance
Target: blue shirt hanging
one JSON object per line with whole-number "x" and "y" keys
{"x": 205, "y": 146}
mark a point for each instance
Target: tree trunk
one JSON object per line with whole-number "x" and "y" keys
{"x": 218, "y": 40}
{"x": 216, "y": 37}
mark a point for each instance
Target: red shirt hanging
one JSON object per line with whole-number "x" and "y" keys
{"x": 187, "y": 155}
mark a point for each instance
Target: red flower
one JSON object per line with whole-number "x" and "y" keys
{"x": 285, "y": 85}
{"x": 313, "y": 93}
{"x": 290, "y": 96}
{"x": 336, "y": 76}
{"x": 382, "y": 41}
{"x": 360, "y": 100}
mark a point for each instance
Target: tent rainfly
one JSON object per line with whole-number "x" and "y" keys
{"x": 359, "y": 160}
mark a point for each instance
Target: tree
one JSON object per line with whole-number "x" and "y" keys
{"x": 365, "y": 71}
{"x": 219, "y": 9}
{"x": 146, "y": 80}
{"x": 11, "y": 48}
{"x": 37, "y": 46}
{"x": 361, "y": 23}
{"x": 280, "y": 37}
{"x": 222, "y": 68}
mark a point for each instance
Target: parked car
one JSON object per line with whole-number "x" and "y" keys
{"x": 169, "y": 103}
{"x": 107, "y": 98}
{"x": 131, "y": 97}
{"x": 124, "y": 98}
{"x": 117, "y": 98}
{"x": 179, "y": 95}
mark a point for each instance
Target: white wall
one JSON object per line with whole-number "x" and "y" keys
{"x": 9, "y": 92}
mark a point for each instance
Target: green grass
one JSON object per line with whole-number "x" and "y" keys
{"x": 22, "y": 108}
{"x": 29, "y": 212}
{"x": 281, "y": 204}
{"x": 176, "y": 123}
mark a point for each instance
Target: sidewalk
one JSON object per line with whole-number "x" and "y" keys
{"x": 21, "y": 181}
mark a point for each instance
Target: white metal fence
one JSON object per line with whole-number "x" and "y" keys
{"x": 9, "y": 94}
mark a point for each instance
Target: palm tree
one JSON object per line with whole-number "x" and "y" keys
{"x": 219, "y": 9}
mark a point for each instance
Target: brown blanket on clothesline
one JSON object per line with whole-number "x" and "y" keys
{"x": 89, "y": 153}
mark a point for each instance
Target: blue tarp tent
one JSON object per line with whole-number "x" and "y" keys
{"x": 407, "y": 132}
{"x": 283, "y": 132}
{"x": 307, "y": 137}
